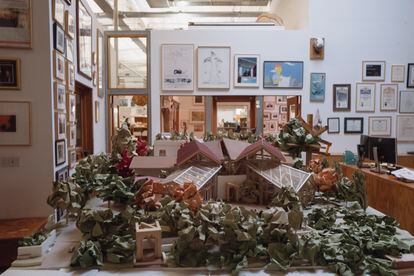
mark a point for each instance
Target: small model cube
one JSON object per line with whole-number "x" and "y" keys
{"x": 150, "y": 234}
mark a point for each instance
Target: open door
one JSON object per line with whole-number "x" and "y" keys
{"x": 84, "y": 120}
{"x": 294, "y": 107}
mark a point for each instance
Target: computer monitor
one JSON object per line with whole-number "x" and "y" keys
{"x": 363, "y": 146}
{"x": 386, "y": 149}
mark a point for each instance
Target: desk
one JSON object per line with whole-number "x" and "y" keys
{"x": 388, "y": 195}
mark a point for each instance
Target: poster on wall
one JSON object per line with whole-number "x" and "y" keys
{"x": 15, "y": 123}
{"x": 177, "y": 67}
{"x": 283, "y": 74}
{"x": 317, "y": 87}
{"x": 16, "y": 23}
{"x": 246, "y": 70}
{"x": 84, "y": 32}
{"x": 213, "y": 67}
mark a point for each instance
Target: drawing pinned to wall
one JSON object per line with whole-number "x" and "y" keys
{"x": 177, "y": 63}
{"x": 283, "y": 74}
{"x": 214, "y": 67}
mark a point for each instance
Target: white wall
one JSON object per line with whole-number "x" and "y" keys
{"x": 354, "y": 31}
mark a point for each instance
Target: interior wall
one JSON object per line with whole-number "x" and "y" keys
{"x": 294, "y": 13}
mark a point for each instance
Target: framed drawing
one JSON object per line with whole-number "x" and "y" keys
{"x": 58, "y": 12}
{"x": 365, "y": 97}
{"x": 341, "y": 97}
{"x": 275, "y": 116}
{"x": 60, "y": 97}
{"x": 406, "y": 101}
{"x": 84, "y": 38}
{"x": 59, "y": 66}
{"x": 60, "y": 152}
{"x": 213, "y": 67}
{"x": 177, "y": 67}
{"x": 354, "y": 125}
{"x": 16, "y": 24}
{"x": 70, "y": 24}
{"x": 272, "y": 126}
{"x": 198, "y": 100}
{"x": 62, "y": 174}
{"x": 246, "y": 70}
{"x": 389, "y": 96}
{"x": 72, "y": 158}
{"x": 410, "y": 75}
{"x": 196, "y": 116}
{"x": 99, "y": 63}
{"x": 70, "y": 78}
{"x": 60, "y": 125}
{"x": 281, "y": 99}
{"x": 269, "y": 106}
{"x": 96, "y": 112}
{"x": 373, "y": 70}
{"x": 405, "y": 128}
{"x": 71, "y": 135}
{"x": 283, "y": 74}
{"x": 58, "y": 38}
{"x": 69, "y": 50}
{"x": 10, "y": 73}
{"x": 397, "y": 73}
{"x": 283, "y": 109}
{"x": 71, "y": 102}
{"x": 267, "y": 116}
{"x": 317, "y": 87}
{"x": 379, "y": 125}
{"x": 334, "y": 125}
{"x": 15, "y": 123}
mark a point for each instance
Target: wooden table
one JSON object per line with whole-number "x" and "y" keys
{"x": 388, "y": 195}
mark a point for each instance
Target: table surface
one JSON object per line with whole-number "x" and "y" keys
{"x": 19, "y": 228}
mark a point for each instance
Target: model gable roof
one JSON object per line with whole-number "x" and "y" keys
{"x": 194, "y": 148}
{"x": 261, "y": 144}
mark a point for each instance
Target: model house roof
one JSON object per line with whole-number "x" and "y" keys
{"x": 261, "y": 144}
{"x": 194, "y": 148}
{"x": 215, "y": 147}
{"x": 153, "y": 162}
{"x": 234, "y": 148}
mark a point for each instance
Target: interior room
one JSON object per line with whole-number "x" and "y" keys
{"x": 199, "y": 137}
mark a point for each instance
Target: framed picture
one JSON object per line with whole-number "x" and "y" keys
{"x": 69, "y": 50}
{"x": 406, "y": 101}
{"x": 15, "y": 123}
{"x": 275, "y": 116}
{"x": 60, "y": 97}
{"x": 60, "y": 152}
{"x": 379, "y": 126}
{"x": 177, "y": 67}
{"x": 267, "y": 116}
{"x": 317, "y": 87}
{"x": 213, "y": 67}
{"x": 283, "y": 74}
{"x": 59, "y": 66}
{"x": 334, "y": 125}
{"x": 10, "y": 73}
{"x": 70, "y": 78}
{"x": 389, "y": 96}
{"x": 198, "y": 100}
{"x": 373, "y": 70}
{"x": 281, "y": 99}
{"x": 62, "y": 174}
{"x": 198, "y": 127}
{"x": 405, "y": 128}
{"x": 246, "y": 70}
{"x": 96, "y": 112}
{"x": 58, "y": 12}
{"x": 283, "y": 117}
{"x": 269, "y": 106}
{"x": 283, "y": 109}
{"x": 397, "y": 73}
{"x": 365, "y": 97}
{"x": 99, "y": 63}
{"x": 71, "y": 135}
{"x": 265, "y": 126}
{"x": 71, "y": 101}
{"x": 70, "y": 24}
{"x": 60, "y": 125}
{"x": 196, "y": 116}
{"x": 58, "y": 38}
{"x": 84, "y": 38}
{"x": 341, "y": 97}
{"x": 410, "y": 75}
{"x": 272, "y": 126}
{"x": 354, "y": 125}
{"x": 72, "y": 158}
{"x": 16, "y": 24}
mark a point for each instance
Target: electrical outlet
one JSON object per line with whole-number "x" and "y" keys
{"x": 10, "y": 162}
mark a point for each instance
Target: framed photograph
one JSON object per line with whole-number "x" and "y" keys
{"x": 265, "y": 126}
{"x": 196, "y": 116}
{"x": 96, "y": 112}
{"x": 379, "y": 125}
{"x": 58, "y": 38}
{"x": 354, "y": 125}
{"x": 198, "y": 100}
{"x": 341, "y": 97}
{"x": 60, "y": 152}
{"x": 58, "y": 12}
{"x": 267, "y": 116}
{"x": 389, "y": 96}
{"x": 272, "y": 126}
{"x": 15, "y": 123}
{"x": 60, "y": 97}
{"x": 283, "y": 117}
{"x": 70, "y": 25}
{"x": 365, "y": 97}
{"x": 410, "y": 75}
{"x": 213, "y": 67}
{"x": 177, "y": 67}
{"x": 246, "y": 70}
{"x": 275, "y": 116}
{"x": 99, "y": 63}
{"x": 71, "y": 102}
{"x": 269, "y": 106}
{"x": 199, "y": 128}
{"x": 60, "y": 125}
{"x": 405, "y": 128}
{"x": 317, "y": 87}
{"x": 69, "y": 50}
{"x": 283, "y": 74}
{"x": 59, "y": 66}
{"x": 281, "y": 99}
{"x": 16, "y": 24}
{"x": 84, "y": 38}
{"x": 334, "y": 125}
{"x": 71, "y": 135}
{"x": 72, "y": 158}
{"x": 9, "y": 73}
{"x": 70, "y": 78}
{"x": 406, "y": 101}
{"x": 397, "y": 73}
{"x": 283, "y": 109}
{"x": 62, "y": 174}
{"x": 373, "y": 70}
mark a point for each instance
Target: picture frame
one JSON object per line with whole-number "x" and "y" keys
{"x": 18, "y": 14}
{"x": 59, "y": 39}
{"x": 397, "y": 73}
{"x": 389, "y": 97}
{"x": 281, "y": 99}
{"x": 334, "y": 125}
{"x": 71, "y": 109}
{"x": 246, "y": 70}
{"x": 267, "y": 116}
{"x": 272, "y": 126}
{"x": 60, "y": 97}
{"x": 84, "y": 40}
{"x": 10, "y": 74}
{"x": 406, "y": 102}
{"x": 15, "y": 123}
{"x": 198, "y": 100}
{"x": 70, "y": 54}
{"x": 379, "y": 125}
{"x": 341, "y": 97}
{"x": 275, "y": 116}
{"x": 177, "y": 67}
{"x": 197, "y": 116}
{"x": 60, "y": 152}
{"x": 72, "y": 158}
{"x": 71, "y": 135}
{"x": 70, "y": 77}
{"x": 269, "y": 106}
{"x": 353, "y": 125}
{"x": 99, "y": 63}
{"x": 58, "y": 12}
{"x": 410, "y": 75}
{"x": 199, "y": 127}
{"x": 283, "y": 74}
{"x": 59, "y": 66}
{"x": 70, "y": 24}
{"x": 365, "y": 97}
{"x": 317, "y": 87}
{"x": 62, "y": 174}
{"x": 405, "y": 128}
{"x": 265, "y": 126}
{"x": 213, "y": 67}
{"x": 97, "y": 112}
{"x": 60, "y": 125}
{"x": 373, "y": 70}
{"x": 283, "y": 109}
{"x": 283, "y": 117}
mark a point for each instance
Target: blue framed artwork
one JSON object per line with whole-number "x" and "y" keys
{"x": 246, "y": 70}
{"x": 283, "y": 74}
{"x": 317, "y": 87}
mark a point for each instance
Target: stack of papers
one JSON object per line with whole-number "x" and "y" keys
{"x": 405, "y": 174}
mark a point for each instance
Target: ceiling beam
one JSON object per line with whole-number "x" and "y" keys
{"x": 198, "y": 14}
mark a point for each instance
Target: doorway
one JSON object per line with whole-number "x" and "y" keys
{"x": 84, "y": 120}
